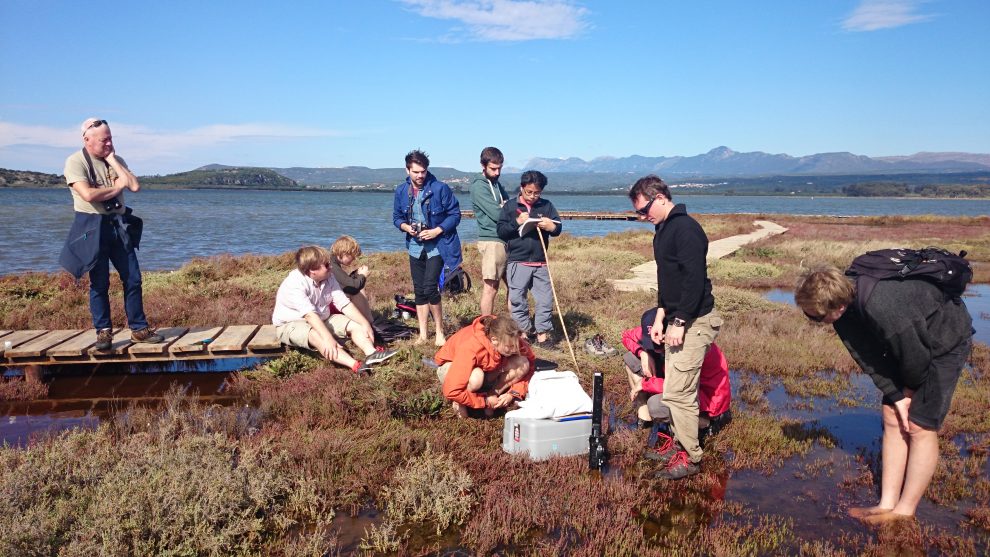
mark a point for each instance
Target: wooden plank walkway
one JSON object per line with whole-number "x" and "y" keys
{"x": 40, "y": 347}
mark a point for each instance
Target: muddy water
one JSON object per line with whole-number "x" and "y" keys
{"x": 82, "y": 395}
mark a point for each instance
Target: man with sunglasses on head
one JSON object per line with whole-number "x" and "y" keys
{"x": 913, "y": 340}
{"x": 686, "y": 320}
{"x": 104, "y": 231}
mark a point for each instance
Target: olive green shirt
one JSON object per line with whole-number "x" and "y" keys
{"x": 76, "y": 170}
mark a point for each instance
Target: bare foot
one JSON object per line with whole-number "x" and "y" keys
{"x": 459, "y": 411}
{"x": 441, "y": 340}
{"x": 863, "y": 512}
{"x": 421, "y": 339}
{"x": 542, "y": 337}
{"x": 887, "y": 517}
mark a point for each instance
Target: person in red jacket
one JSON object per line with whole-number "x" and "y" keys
{"x": 644, "y": 367}
{"x": 485, "y": 365}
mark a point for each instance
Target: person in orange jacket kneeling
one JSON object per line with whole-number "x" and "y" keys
{"x": 486, "y": 365}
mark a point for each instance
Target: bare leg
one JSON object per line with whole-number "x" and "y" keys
{"x": 893, "y": 462}
{"x": 360, "y": 337}
{"x": 436, "y": 310}
{"x": 422, "y": 315}
{"x": 489, "y": 291}
{"x": 343, "y": 358}
{"x": 361, "y": 302}
{"x": 921, "y": 463}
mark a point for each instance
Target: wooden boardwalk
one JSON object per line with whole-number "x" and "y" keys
{"x": 41, "y": 347}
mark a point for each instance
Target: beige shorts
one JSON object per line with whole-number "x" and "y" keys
{"x": 296, "y": 333}
{"x": 493, "y": 259}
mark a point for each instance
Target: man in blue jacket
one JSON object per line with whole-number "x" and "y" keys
{"x": 426, "y": 210}
{"x": 104, "y": 231}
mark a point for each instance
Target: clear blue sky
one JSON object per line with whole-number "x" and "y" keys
{"x": 338, "y": 83}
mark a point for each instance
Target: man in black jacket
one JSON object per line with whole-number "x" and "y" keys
{"x": 913, "y": 340}
{"x": 686, "y": 320}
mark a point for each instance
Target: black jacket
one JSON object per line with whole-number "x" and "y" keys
{"x": 526, "y": 249}
{"x": 680, "y": 248}
{"x": 904, "y": 326}
{"x": 351, "y": 283}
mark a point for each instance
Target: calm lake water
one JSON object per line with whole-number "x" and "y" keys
{"x": 180, "y": 225}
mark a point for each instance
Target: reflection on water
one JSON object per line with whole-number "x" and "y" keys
{"x": 80, "y": 395}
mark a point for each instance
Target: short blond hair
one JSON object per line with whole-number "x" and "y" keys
{"x": 823, "y": 289}
{"x": 309, "y": 258}
{"x": 346, "y": 245}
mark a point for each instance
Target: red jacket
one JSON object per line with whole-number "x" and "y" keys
{"x": 714, "y": 392}
{"x": 470, "y": 348}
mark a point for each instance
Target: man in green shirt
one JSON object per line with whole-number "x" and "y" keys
{"x": 487, "y": 197}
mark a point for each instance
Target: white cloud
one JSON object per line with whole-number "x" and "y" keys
{"x": 151, "y": 142}
{"x": 508, "y": 20}
{"x": 872, "y": 15}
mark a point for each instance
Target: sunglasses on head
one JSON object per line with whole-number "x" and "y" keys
{"x": 645, "y": 209}
{"x": 96, "y": 124}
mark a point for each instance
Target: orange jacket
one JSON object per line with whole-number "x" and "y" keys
{"x": 470, "y": 348}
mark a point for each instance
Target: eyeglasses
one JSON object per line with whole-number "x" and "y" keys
{"x": 645, "y": 209}
{"x": 95, "y": 124}
{"x": 534, "y": 193}
{"x": 815, "y": 318}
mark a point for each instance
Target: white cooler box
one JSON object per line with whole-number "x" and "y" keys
{"x": 543, "y": 438}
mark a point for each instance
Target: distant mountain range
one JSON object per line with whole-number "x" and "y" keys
{"x": 724, "y": 162}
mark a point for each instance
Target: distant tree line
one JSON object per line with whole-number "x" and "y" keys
{"x": 900, "y": 189}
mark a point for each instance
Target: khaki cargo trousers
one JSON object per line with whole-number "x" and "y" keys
{"x": 682, "y": 371}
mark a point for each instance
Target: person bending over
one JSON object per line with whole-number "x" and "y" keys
{"x": 644, "y": 364}
{"x": 485, "y": 365}
{"x": 913, "y": 341}
{"x": 311, "y": 311}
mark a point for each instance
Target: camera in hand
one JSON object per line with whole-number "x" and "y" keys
{"x": 417, "y": 227}
{"x": 112, "y": 204}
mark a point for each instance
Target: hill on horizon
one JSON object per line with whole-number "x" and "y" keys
{"x": 724, "y": 162}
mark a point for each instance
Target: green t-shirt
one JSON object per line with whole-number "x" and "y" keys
{"x": 76, "y": 170}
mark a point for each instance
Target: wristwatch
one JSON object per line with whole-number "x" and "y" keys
{"x": 678, "y": 322}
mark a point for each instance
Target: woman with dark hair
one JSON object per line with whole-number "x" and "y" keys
{"x": 527, "y": 260}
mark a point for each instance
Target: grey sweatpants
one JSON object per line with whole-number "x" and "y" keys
{"x": 522, "y": 279}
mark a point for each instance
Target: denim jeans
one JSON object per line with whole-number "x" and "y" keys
{"x": 112, "y": 250}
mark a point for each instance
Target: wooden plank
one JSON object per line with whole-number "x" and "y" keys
{"x": 74, "y": 347}
{"x": 18, "y": 338}
{"x": 192, "y": 342}
{"x": 233, "y": 338}
{"x": 121, "y": 341}
{"x": 265, "y": 339}
{"x": 4, "y": 333}
{"x": 170, "y": 335}
{"x": 40, "y": 345}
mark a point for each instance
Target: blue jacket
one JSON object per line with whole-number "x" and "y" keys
{"x": 82, "y": 245}
{"x": 441, "y": 209}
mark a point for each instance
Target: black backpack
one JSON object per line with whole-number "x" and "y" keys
{"x": 454, "y": 281}
{"x": 944, "y": 269}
